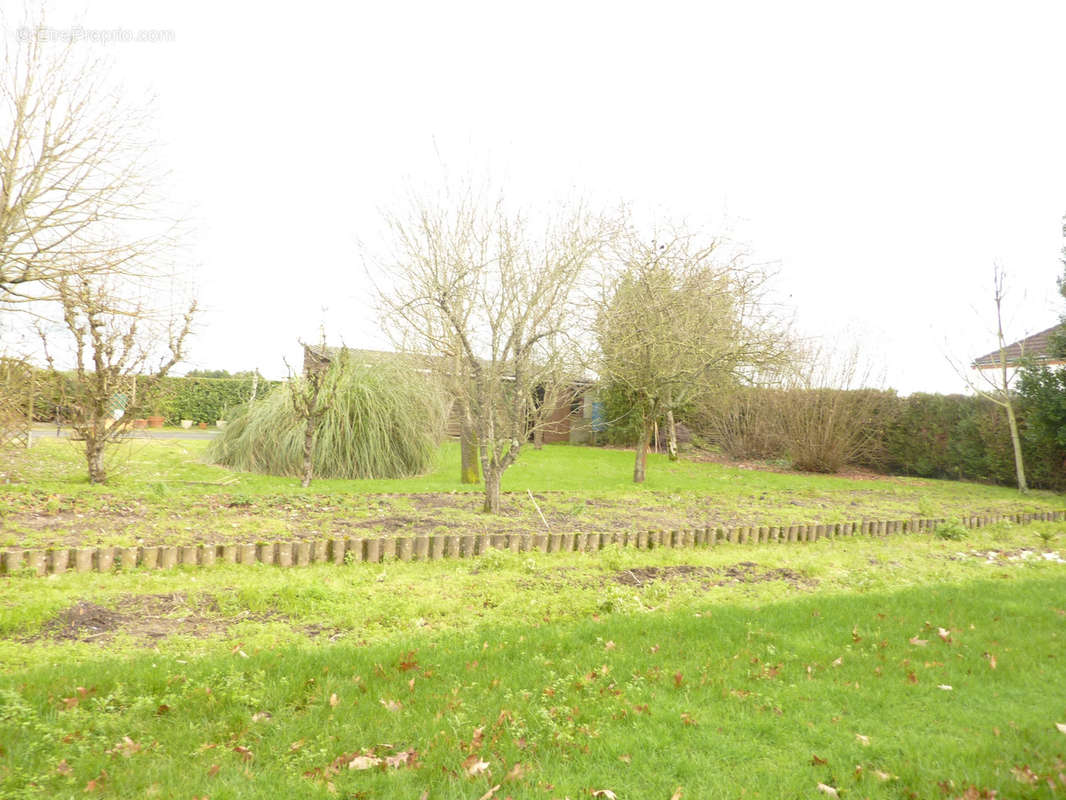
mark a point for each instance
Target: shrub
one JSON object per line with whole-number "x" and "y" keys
{"x": 384, "y": 422}
{"x": 824, "y": 429}
{"x": 952, "y": 531}
{"x": 744, "y": 423}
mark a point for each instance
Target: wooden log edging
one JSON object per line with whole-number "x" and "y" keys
{"x": 433, "y": 547}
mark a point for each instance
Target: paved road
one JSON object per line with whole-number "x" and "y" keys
{"x": 49, "y": 431}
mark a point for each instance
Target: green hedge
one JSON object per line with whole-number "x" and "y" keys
{"x": 203, "y": 399}
{"x": 198, "y": 399}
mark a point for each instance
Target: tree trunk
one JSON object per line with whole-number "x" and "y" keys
{"x": 94, "y": 455}
{"x": 492, "y": 489}
{"x": 642, "y": 451}
{"x": 468, "y": 454}
{"x": 1019, "y": 465}
{"x": 671, "y": 435}
{"x": 309, "y": 446}
{"x": 538, "y": 437}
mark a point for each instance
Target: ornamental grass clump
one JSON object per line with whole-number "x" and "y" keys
{"x": 383, "y": 421}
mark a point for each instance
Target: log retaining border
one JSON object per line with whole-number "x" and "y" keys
{"x": 421, "y": 547}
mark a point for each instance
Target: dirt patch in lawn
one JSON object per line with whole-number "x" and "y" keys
{"x": 394, "y": 523}
{"x": 151, "y": 618}
{"x": 742, "y": 572}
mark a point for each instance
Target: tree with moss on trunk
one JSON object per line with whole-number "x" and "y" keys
{"x": 488, "y": 299}
{"x": 678, "y": 320}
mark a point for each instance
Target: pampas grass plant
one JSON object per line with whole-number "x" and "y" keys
{"x": 384, "y": 421}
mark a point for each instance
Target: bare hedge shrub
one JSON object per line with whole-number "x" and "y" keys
{"x": 744, "y": 423}
{"x": 827, "y": 418}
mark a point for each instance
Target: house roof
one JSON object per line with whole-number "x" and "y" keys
{"x": 418, "y": 361}
{"x": 1035, "y": 348}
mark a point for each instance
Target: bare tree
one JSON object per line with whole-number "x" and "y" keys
{"x": 677, "y": 321}
{"x": 76, "y": 182}
{"x": 118, "y": 354}
{"x": 996, "y": 380}
{"x": 489, "y": 300}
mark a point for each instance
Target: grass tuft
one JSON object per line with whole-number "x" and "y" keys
{"x": 384, "y": 422}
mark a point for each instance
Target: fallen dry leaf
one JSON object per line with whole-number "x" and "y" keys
{"x": 363, "y": 762}
{"x": 488, "y": 795}
{"x": 126, "y": 748}
{"x": 625, "y": 758}
{"x": 1024, "y": 774}
{"x": 515, "y": 773}
{"x": 334, "y": 701}
{"x": 260, "y": 716}
{"x": 944, "y": 634}
{"x": 477, "y": 739}
{"x": 391, "y": 705}
{"x": 405, "y": 758}
{"x": 244, "y": 752}
{"x": 212, "y": 771}
{"x": 943, "y": 686}
{"x": 609, "y": 646}
{"x": 883, "y": 776}
{"x": 473, "y": 766}
{"x": 677, "y": 794}
{"x": 829, "y": 790}
{"x": 863, "y": 740}
{"x": 816, "y": 761}
{"x": 1061, "y": 727}
{"x": 918, "y": 642}
{"x": 838, "y": 662}
{"x": 604, "y": 793}
{"x": 63, "y": 768}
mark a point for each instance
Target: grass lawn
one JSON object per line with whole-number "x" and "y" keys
{"x": 161, "y": 492}
{"x": 908, "y": 666}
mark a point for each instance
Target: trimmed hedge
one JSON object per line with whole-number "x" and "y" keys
{"x": 198, "y": 399}
{"x": 204, "y": 399}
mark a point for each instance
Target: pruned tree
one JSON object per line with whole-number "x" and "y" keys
{"x": 77, "y": 187}
{"x": 114, "y": 344}
{"x": 995, "y": 381}
{"x": 312, "y": 396}
{"x": 488, "y": 299}
{"x": 678, "y": 320}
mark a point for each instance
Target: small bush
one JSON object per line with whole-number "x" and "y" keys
{"x": 952, "y": 531}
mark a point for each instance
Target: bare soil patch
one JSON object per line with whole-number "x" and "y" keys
{"x": 151, "y": 618}
{"x": 742, "y": 572}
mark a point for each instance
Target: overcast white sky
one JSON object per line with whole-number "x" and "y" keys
{"x": 883, "y": 155}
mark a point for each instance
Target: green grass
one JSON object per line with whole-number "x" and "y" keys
{"x": 772, "y": 670}
{"x": 162, "y": 492}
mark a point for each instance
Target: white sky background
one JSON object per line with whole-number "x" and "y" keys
{"x": 884, "y": 156}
